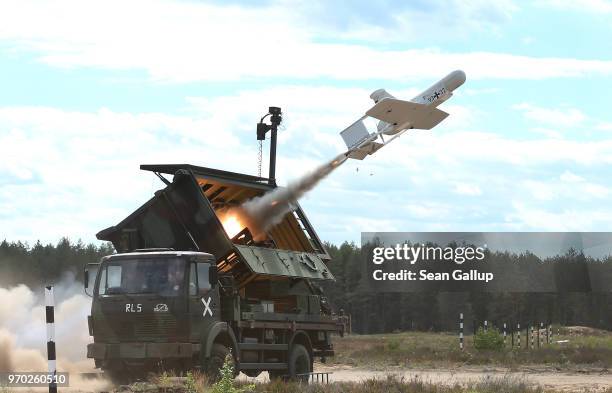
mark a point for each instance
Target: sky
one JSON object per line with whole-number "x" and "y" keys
{"x": 91, "y": 90}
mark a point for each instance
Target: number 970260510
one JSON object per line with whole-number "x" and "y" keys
{"x": 33, "y": 379}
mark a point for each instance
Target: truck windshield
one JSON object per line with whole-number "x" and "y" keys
{"x": 160, "y": 276}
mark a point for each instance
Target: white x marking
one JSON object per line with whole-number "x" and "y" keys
{"x": 207, "y": 308}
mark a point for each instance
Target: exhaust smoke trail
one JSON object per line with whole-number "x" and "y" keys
{"x": 23, "y": 337}
{"x": 262, "y": 213}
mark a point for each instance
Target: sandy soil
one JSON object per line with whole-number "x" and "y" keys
{"x": 571, "y": 382}
{"x": 574, "y": 381}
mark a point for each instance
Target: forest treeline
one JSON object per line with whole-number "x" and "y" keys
{"x": 41, "y": 264}
{"x": 374, "y": 312}
{"x": 371, "y": 311}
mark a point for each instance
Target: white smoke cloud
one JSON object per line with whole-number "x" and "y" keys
{"x": 23, "y": 337}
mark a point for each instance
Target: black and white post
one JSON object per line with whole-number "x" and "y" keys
{"x": 461, "y": 331}
{"x": 485, "y": 326}
{"x": 550, "y": 333}
{"x": 504, "y": 334}
{"x": 532, "y": 337}
{"x": 50, "y": 318}
{"x": 518, "y": 335}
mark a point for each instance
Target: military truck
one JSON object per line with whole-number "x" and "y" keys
{"x": 182, "y": 294}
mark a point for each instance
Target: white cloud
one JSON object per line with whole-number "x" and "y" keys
{"x": 547, "y": 132}
{"x": 73, "y": 173}
{"x": 596, "y": 190}
{"x": 540, "y": 190}
{"x": 566, "y": 219}
{"x": 528, "y": 40}
{"x": 82, "y": 168}
{"x": 570, "y": 187}
{"x": 467, "y": 189}
{"x": 481, "y": 147}
{"x": 190, "y": 41}
{"x": 478, "y": 92}
{"x": 562, "y": 117}
{"x": 604, "y": 126}
{"x": 463, "y": 117}
{"x": 427, "y": 211}
{"x": 570, "y": 177}
{"x": 594, "y": 6}
{"x": 383, "y": 22}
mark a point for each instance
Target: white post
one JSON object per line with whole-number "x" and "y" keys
{"x": 50, "y": 319}
{"x": 461, "y": 331}
{"x": 550, "y": 333}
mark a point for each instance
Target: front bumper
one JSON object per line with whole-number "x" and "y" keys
{"x": 141, "y": 350}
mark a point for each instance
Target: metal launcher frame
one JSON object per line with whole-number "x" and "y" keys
{"x": 185, "y": 216}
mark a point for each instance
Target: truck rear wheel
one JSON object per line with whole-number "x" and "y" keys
{"x": 300, "y": 363}
{"x": 124, "y": 375}
{"x": 276, "y": 374}
{"x": 213, "y": 365}
{"x": 117, "y": 376}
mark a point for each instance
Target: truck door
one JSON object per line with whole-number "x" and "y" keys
{"x": 204, "y": 305}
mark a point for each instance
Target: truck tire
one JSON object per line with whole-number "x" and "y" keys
{"x": 299, "y": 363}
{"x": 212, "y": 365}
{"x": 276, "y": 374}
{"x": 122, "y": 376}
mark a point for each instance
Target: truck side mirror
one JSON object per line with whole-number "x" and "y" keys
{"x": 213, "y": 275}
{"x": 88, "y": 289}
{"x": 93, "y": 268}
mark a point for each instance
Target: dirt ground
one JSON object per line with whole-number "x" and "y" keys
{"x": 564, "y": 381}
{"x": 575, "y": 381}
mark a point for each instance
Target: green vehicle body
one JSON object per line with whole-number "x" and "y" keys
{"x": 258, "y": 300}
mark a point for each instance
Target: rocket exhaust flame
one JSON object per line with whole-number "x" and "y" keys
{"x": 232, "y": 224}
{"x": 260, "y": 214}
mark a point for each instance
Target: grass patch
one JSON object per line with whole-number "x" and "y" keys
{"x": 489, "y": 340}
{"x": 226, "y": 383}
{"x": 422, "y": 349}
{"x": 390, "y": 384}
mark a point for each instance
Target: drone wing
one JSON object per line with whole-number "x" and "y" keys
{"x": 399, "y": 116}
{"x": 405, "y": 114}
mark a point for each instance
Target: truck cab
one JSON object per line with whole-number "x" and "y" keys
{"x": 150, "y": 309}
{"x": 204, "y": 291}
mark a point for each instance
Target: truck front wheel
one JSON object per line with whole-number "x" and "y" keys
{"x": 300, "y": 363}
{"x": 213, "y": 365}
{"x": 118, "y": 376}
